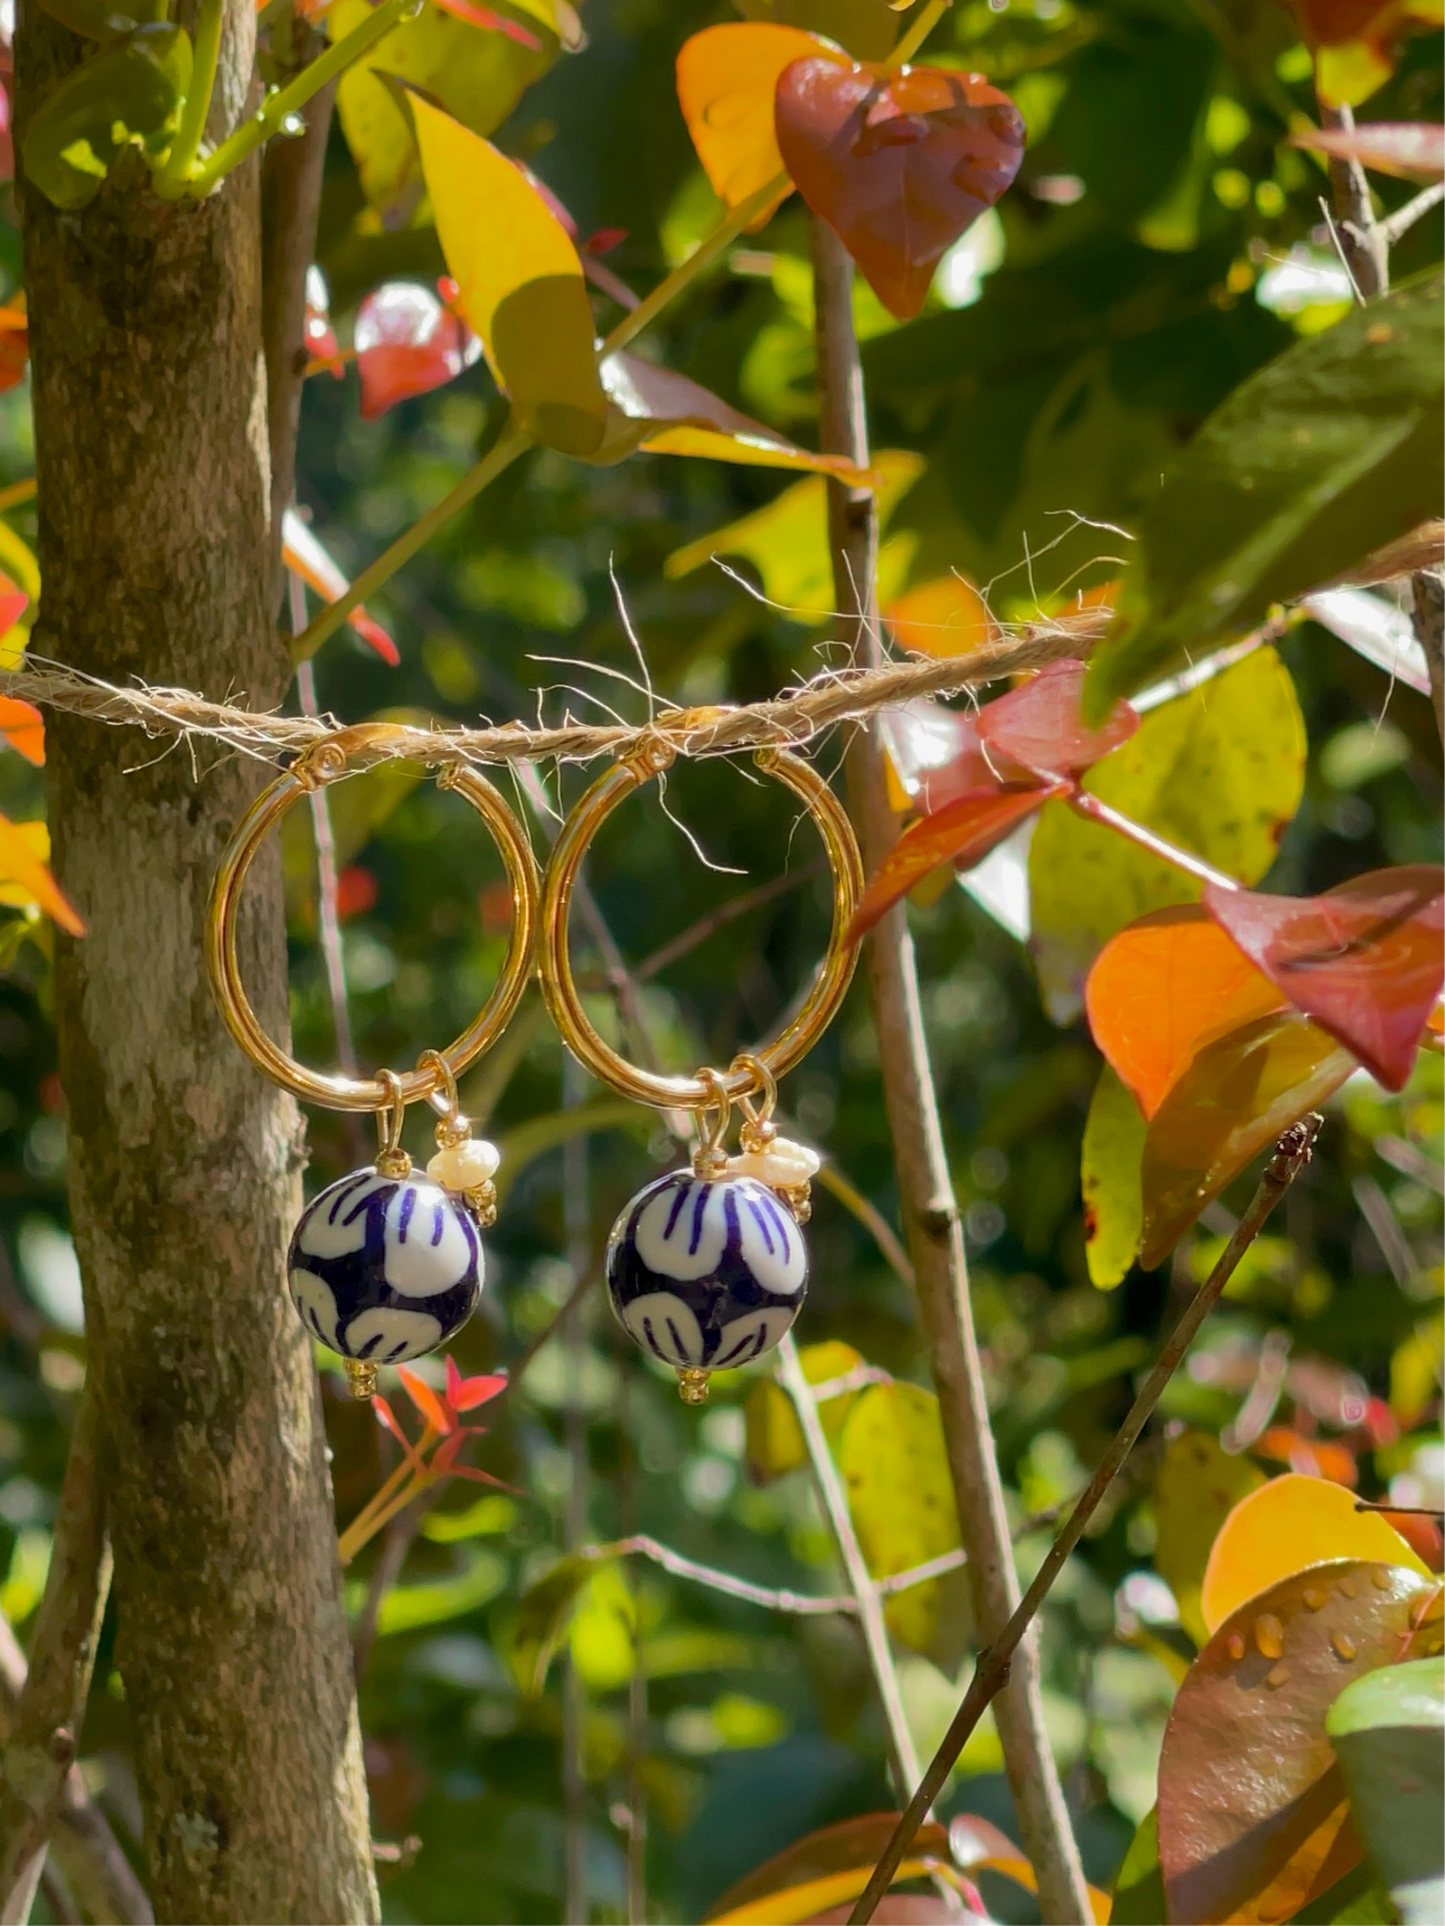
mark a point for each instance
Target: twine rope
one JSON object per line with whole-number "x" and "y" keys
{"x": 792, "y": 719}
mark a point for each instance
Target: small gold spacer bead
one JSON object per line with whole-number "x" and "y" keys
{"x": 394, "y": 1163}
{"x": 710, "y": 1160}
{"x": 799, "y": 1200}
{"x": 758, "y": 1135}
{"x": 361, "y": 1376}
{"x": 482, "y": 1203}
{"x": 692, "y": 1385}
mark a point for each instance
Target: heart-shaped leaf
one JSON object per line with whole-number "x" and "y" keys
{"x": 1365, "y": 961}
{"x": 1164, "y": 988}
{"x": 899, "y": 164}
{"x": 726, "y": 79}
{"x": 520, "y": 281}
{"x": 1236, "y": 1097}
{"x": 1040, "y": 727}
{"x": 407, "y": 343}
{"x": 1253, "y": 1809}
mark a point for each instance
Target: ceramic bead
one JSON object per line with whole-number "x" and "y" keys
{"x": 383, "y": 1268}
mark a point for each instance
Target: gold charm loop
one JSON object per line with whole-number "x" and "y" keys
{"x": 747, "y": 1074}
{"x": 326, "y": 764}
{"x": 391, "y": 1159}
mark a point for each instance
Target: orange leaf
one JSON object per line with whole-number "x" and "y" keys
{"x": 961, "y": 832}
{"x": 1236, "y": 1097}
{"x": 425, "y": 1400}
{"x": 979, "y": 1846}
{"x": 1355, "y": 42}
{"x": 726, "y": 79}
{"x": 946, "y": 616}
{"x": 14, "y": 347}
{"x": 302, "y": 553}
{"x": 1164, "y": 988}
{"x": 20, "y": 864}
{"x": 899, "y": 164}
{"x": 1292, "y": 1522}
{"x": 21, "y": 723}
{"x": 821, "y": 1870}
{"x": 1314, "y": 1457}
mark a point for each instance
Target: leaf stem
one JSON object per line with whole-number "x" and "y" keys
{"x": 171, "y": 181}
{"x": 1291, "y": 1154}
{"x": 1095, "y": 810}
{"x": 293, "y": 97}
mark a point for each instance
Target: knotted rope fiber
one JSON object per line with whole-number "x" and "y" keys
{"x": 788, "y": 720}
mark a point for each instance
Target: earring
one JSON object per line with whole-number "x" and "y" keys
{"x": 384, "y": 1264}
{"x": 707, "y": 1267}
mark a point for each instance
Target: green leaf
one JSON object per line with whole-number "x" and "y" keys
{"x": 1113, "y": 1204}
{"x": 1139, "y": 1889}
{"x": 1219, "y": 771}
{"x": 774, "y": 1438}
{"x": 478, "y": 77}
{"x": 1330, "y": 451}
{"x": 96, "y": 20}
{"x": 1388, "y": 1732}
{"x": 1197, "y": 1487}
{"x": 407, "y": 1606}
{"x": 895, "y": 1469}
{"x": 543, "y": 1615}
{"x": 129, "y": 95}
{"x": 1359, "y": 1899}
{"x": 601, "y": 1634}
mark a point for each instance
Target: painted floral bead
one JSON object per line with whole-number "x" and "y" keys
{"x": 384, "y": 1268}
{"x": 706, "y": 1273}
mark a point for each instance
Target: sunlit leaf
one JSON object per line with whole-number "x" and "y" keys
{"x": 1219, "y": 771}
{"x": 960, "y": 832}
{"x": 899, "y": 164}
{"x": 1355, "y": 42}
{"x": 544, "y": 1612}
{"x": 407, "y": 343}
{"x": 787, "y": 539}
{"x": 491, "y": 22}
{"x": 1253, "y": 1812}
{"x": 1413, "y": 149}
{"x": 1388, "y": 1733}
{"x": 944, "y": 616}
{"x": 405, "y": 1607}
{"x": 1196, "y": 1489}
{"x": 322, "y": 349}
{"x": 477, "y": 77}
{"x": 301, "y": 551}
{"x": 774, "y": 1438}
{"x": 1113, "y": 1201}
{"x": 24, "y": 861}
{"x": 726, "y": 78}
{"x": 1365, "y": 961}
{"x": 1164, "y": 988}
{"x": 23, "y": 727}
{"x": 1285, "y": 1525}
{"x": 1039, "y": 725}
{"x": 900, "y": 1495}
{"x": 1235, "y": 1098}
{"x": 601, "y": 1631}
{"x": 824, "y": 1869}
{"x": 978, "y": 1845}
{"x": 520, "y": 279}
{"x": 1325, "y": 454}
{"x": 130, "y": 91}
{"x": 425, "y": 1399}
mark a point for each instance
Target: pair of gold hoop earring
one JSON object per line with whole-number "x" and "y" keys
{"x": 706, "y": 1267}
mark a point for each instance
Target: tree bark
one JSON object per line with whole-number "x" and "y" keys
{"x": 154, "y": 480}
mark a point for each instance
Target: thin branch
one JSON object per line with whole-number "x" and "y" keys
{"x": 930, "y": 1213}
{"x": 1084, "y": 803}
{"x": 696, "y": 933}
{"x": 46, "y": 1732}
{"x": 1361, "y": 241}
{"x": 902, "y": 1755}
{"x": 1395, "y": 226}
{"x": 772, "y": 1599}
{"x": 1427, "y": 590}
{"x": 1291, "y": 1154}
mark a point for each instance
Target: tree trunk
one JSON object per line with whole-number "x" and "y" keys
{"x": 154, "y": 479}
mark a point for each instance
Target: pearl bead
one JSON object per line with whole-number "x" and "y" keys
{"x": 784, "y": 1165}
{"x": 465, "y": 1166}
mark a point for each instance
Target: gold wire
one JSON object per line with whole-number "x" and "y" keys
{"x": 648, "y": 758}
{"x": 328, "y": 764}
{"x": 391, "y": 1159}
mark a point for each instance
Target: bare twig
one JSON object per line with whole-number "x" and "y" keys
{"x": 1362, "y": 245}
{"x": 798, "y": 1604}
{"x": 705, "y": 926}
{"x": 1291, "y": 1154}
{"x": 82, "y": 1845}
{"x": 902, "y": 1755}
{"x": 1395, "y": 226}
{"x": 577, "y": 1227}
{"x": 931, "y": 1217}
{"x": 1427, "y": 590}
{"x": 45, "y": 1734}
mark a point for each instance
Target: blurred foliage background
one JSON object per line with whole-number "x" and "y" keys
{"x": 1162, "y": 242}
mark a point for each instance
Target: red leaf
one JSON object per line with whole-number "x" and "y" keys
{"x": 355, "y": 891}
{"x": 467, "y": 1393}
{"x": 14, "y": 346}
{"x": 1365, "y": 961}
{"x": 1413, "y": 149}
{"x": 387, "y": 1417}
{"x": 22, "y": 724}
{"x": 321, "y": 345}
{"x": 1041, "y": 725}
{"x": 493, "y": 22}
{"x": 302, "y": 553}
{"x": 425, "y": 1400}
{"x": 604, "y": 240}
{"x": 900, "y": 165}
{"x": 408, "y": 343}
{"x": 960, "y": 833}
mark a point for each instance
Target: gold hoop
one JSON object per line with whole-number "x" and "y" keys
{"x": 328, "y": 764}
{"x": 649, "y": 759}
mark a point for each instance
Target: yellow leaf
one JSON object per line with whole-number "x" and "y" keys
{"x": 25, "y": 876}
{"x": 18, "y": 560}
{"x": 774, "y": 1437}
{"x": 727, "y": 77}
{"x": 478, "y": 77}
{"x": 1286, "y": 1525}
{"x": 796, "y": 1904}
{"x": 1197, "y": 1487}
{"x": 522, "y": 287}
{"x": 895, "y": 1469}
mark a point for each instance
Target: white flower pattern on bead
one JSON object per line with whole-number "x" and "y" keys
{"x": 384, "y": 1268}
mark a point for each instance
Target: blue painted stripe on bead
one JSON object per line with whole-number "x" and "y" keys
{"x": 781, "y": 1219}
{"x": 438, "y": 1224}
{"x": 762, "y": 1224}
{"x": 698, "y": 1214}
{"x": 365, "y": 1204}
{"x": 344, "y": 1191}
{"x": 678, "y": 1346}
{"x": 651, "y": 1339}
{"x": 734, "y": 1230}
{"x": 677, "y": 1203}
{"x": 741, "y": 1353}
{"x": 408, "y": 1205}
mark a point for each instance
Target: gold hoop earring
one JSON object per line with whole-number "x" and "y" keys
{"x": 707, "y": 1267}
{"x": 384, "y": 1265}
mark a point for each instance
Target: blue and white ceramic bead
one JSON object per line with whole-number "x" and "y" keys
{"x": 384, "y": 1267}
{"x": 706, "y": 1272}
